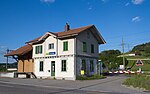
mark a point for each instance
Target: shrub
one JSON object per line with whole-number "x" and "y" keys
{"x": 141, "y": 81}
{"x": 90, "y": 77}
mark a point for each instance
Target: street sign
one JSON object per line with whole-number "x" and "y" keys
{"x": 139, "y": 63}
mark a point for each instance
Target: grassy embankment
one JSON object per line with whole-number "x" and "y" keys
{"x": 140, "y": 81}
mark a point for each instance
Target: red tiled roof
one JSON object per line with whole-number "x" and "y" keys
{"x": 73, "y": 31}
{"x": 20, "y": 51}
{"x": 65, "y": 33}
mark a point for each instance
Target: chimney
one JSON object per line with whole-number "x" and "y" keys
{"x": 67, "y": 27}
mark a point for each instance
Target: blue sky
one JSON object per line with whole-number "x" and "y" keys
{"x": 23, "y": 20}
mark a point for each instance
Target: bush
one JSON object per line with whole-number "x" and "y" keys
{"x": 90, "y": 77}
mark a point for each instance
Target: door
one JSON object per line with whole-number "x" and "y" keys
{"x": 53, "y": 68}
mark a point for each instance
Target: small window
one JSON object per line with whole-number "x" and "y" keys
{"x": 41, "y": 66}
{"x": 38, "y": 49}
{"x": 84, "y": 47}
{"x": 51, "y": 46}
{"x": 91, "y": 66}
{"x": 65, "y": 46}
{"x": 92, "y": 48}
{"x": 63, "y": 66}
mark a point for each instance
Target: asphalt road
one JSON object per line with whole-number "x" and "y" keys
{"x": 26, "y": 89}
{"x": 110, "y": 85}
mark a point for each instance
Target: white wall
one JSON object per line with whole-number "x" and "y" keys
{"x": 69, "y": 74}
{"x": 45, "y": 49}
{"x": 70, "y": 47}
{"x": 7, "y": 74}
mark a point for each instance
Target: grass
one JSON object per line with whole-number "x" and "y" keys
{"x": 90, "y": 77}
{"x": 140, "y": 81}
{"x": 145, "y": 67}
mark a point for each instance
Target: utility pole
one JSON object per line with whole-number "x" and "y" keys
{"x": 7, "y": 51}
{"x": 123, "y": 53}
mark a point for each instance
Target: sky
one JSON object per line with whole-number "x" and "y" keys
{"x": 24, "y": 20}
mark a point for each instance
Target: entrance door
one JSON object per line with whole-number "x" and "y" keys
{"x": 53, "y": 68}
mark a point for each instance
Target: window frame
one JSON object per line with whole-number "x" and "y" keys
{"x": 63, "y": 65}
{"x": 84, "y": 47}
{"x": 41, "y": 66}
{"x": 51, "y": 46}
{"x": 92, "y": 48}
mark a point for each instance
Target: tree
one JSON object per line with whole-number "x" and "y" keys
{"x": 110, "y": 59}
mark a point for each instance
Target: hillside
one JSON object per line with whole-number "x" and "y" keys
{"x": 142, "y": 49}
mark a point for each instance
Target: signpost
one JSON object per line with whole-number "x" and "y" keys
{"x": 139, "y": 63}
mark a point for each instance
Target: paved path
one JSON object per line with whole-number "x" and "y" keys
{"x": 110, "y": 85}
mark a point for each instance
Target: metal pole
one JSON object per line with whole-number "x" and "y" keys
{"x": 123, "y": 53}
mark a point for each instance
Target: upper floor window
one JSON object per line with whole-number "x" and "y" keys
{"x": 65, "y": 46}
{"x": 38, "y": 49}
{"x": 63, "y": 65}
{"x": 41, "y": 66}
{"x": 51, "y": 46}
{"x": 84, "y": 47}
{"x": 92, "y": 48}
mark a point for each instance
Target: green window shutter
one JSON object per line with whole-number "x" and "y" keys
{"x": 40, "y": 49}
{"x": 65, "y": 46}
{"x": 36, "y": 50}
{"x": 84, "y": 47}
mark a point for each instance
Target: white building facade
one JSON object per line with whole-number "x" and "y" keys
{"x": 63, "y": 55}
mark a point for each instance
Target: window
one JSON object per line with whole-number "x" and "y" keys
{"x": 51, "y": 46}
{"x": 83, "y": 65}
{"x": 92, "y": 48}
{"x": 63, "y": 65}
{"x": 84, "y": 47}
{"x": 41, "y": 66}
{"x": 91, "y": 66}
{"x": 65, "y": 46}
{"x": 38, "y": 49}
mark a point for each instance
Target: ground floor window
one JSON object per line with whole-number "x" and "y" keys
{"x": 91, "y": 66}
{"x": 83, "y": 65}
{"x": 41, "y": 66}
{"x": 63, "y": 65}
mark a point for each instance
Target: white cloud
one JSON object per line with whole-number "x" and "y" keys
{"x": 48, "y": 1}
{"x": 127, "y": 4}
{"x": 89, "y": 8}
{"x": 136, "y": 19}
{"x": 137, "y": 2}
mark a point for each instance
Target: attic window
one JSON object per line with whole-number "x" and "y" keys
{"x": 51, "y": 46}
